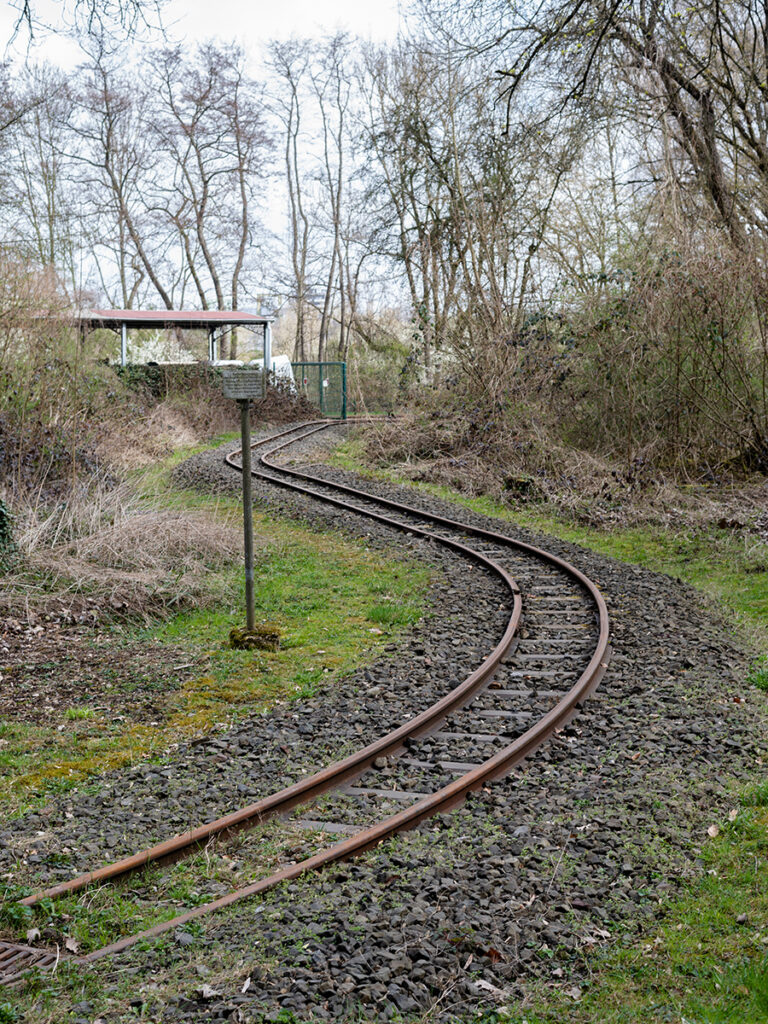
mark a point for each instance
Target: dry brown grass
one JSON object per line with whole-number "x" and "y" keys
{"x": 107, "y": 552}
{"x": 133, "y": 442}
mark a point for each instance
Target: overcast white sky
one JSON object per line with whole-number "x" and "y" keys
{"x": 249, "y": 23}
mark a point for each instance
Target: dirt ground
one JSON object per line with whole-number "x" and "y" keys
{"x": 50, "y": 667}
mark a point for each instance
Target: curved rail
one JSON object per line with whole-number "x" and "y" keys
{"x": 343, "y": 771}
{"x": 335, "y": 774}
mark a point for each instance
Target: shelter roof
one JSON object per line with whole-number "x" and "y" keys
{"x": 193, "y": 319}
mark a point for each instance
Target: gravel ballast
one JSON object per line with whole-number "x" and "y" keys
{"x": 577, "y": 846}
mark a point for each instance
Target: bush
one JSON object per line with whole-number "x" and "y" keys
{"x": 662, "y": 369}
{"x": 672, "y": 367}
{"x": 161, "y": 382}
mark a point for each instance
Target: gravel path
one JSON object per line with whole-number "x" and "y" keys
{"x": 533, "y": 872}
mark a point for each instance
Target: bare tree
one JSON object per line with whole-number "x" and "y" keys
{"x": 291, "y": 61}
{"x": 118, "y": 167}
{"x": 94, "y": 17}
{"x": 407, "y": 185}
{"x": 209, "y": 124}
{"x": 332, "y": 85}
{"x": 316, "y": 108}
{"x": 467, "y": 206}
{"x": 47, "y": 223}
{"x": 701, "y": 67}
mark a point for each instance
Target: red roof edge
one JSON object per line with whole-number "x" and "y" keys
{"x": 173, "y": 316}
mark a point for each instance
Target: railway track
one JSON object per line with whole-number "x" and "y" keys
{"x": 552, "y": 654}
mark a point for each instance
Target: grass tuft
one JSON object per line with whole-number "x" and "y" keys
{"x": 756, "y": 795}
{"x": 390, "y": 614}
{"x": 759, "y": 676}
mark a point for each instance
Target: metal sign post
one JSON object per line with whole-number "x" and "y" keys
{"x": 245, "y": 435}
{"x": 243, "y": 384}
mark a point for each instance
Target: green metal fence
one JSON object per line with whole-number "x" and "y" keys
{"x": 325, "y": 385}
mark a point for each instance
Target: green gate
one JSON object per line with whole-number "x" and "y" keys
{"x": 325, "y": 385}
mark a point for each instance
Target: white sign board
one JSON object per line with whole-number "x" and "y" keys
{"x": 242, "y": 382}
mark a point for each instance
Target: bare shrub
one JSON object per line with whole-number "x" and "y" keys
{"x": 164, "y": 408}
{"x": 46, "y": 403}
{"x": 527, "y": 466}
{"x": 187, "y": 409}
{"x": 673, "y": 367}
{"x": 662, "y": 376}
{"x": 30, "y": 300}
{"x": 53, "y": 403}
{"x": 281, "y": 403}
{"x": 381, "y": 375}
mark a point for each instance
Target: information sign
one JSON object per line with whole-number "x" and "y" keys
{"x": 242, "y": 382}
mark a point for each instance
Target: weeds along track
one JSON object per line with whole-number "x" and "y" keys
{"x": 551, "y": 656}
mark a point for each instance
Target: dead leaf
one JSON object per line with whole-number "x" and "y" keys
{"x": 713, "y": 831}
{"x": 246, "y": 984}
{"x": 33, "y": 934}
{"x": 733, "y": 814}
{"x": 574, "y": 993}
{"x": 72, "y": 945}
{"x": 207, "y": 993}
{"x": 486, "y": 986}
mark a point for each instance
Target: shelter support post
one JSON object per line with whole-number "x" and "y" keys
{"x": 123, "y": 343}
{"x": 267, "y": 347}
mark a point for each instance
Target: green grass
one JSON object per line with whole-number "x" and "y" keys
{"x": 78, "y": 714}
{"x": 393, "y": 614}
{"x": 324, "y": 593}
{"x": 759, "y": 676}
